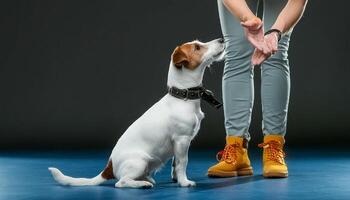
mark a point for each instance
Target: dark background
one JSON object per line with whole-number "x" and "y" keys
{"x": 76, "y": 74}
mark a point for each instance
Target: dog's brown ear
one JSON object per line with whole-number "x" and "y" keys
{"x": 179, "y": 58}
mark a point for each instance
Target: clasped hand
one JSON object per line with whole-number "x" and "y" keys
{"x": 265, "y": 46}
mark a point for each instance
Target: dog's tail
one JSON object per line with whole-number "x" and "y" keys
{"x": 106, "y": 174}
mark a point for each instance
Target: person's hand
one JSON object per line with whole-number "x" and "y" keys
{"x": 258, "y": 57}
{"x": 254, "y": 31}
{"x": 271, "y": 41}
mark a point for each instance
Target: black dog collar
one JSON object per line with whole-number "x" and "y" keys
{"x": 195, "y": 93}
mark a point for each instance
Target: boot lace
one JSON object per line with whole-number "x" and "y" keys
{"x": 229, "y": 154}
{"x": 274, "y": 151}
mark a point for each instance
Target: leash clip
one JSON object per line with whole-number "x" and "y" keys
{"x": 208, "y": 96}
{"x": 209, "y": 92}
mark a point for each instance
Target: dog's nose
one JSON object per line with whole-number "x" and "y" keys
{"x": 221, "y": 40}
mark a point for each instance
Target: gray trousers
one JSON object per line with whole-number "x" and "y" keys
{"x": 237, "y": 81}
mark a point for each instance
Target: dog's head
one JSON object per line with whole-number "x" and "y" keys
{"x": 189, "y": 60}
{"x": 196, "y": 54}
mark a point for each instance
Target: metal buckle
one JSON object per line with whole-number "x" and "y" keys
{"x": 186, "y": 97}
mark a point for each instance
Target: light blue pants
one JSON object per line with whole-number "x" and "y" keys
{"x": 238, "y": 85}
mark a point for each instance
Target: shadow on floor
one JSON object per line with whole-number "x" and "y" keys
{"x": 226, "y": 182}
{"x": 204, "y": 183}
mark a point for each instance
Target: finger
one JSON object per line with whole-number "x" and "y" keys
{"x": 255, "y": 54}
{"x": 270, "y": 47}
{"x": 254, "y": 61}
{"x": 254, "y": 57}
{"x": 250, "y": 26}
{"x": 257, "y": 23}
{"x": 245, "y": 25}
{"x": 273, "y": 41}
{"x": 273, "y": 46}
{"x": 274, "y": 52}
{"x": 248, "y": 23}
{"x": 266, "y": 49}
{"x": 275, "y": 49}
{"x": 257, "y": 57}
{"x": 259, "y": 60}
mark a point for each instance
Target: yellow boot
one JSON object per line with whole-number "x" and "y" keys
{"x": 273, "y": 157}
{"x": 234, "y": 160}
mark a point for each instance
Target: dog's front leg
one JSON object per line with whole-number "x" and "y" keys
{"x": 181, "y": 146}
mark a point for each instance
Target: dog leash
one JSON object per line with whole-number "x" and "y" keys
{"x": 198, "y": 92}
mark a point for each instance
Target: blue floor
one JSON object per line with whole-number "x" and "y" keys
{"x": 314, "y": 174}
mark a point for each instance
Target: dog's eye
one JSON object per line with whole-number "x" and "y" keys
{"x": 197, "y": 47}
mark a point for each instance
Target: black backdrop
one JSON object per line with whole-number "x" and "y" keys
{"x": 75, "y": 74}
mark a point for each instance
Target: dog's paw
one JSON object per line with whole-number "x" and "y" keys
{"x": 133, "y": 184}
{"x": 147, "y": 185}
{"x": 187, "y": 183}
{"x": 151, "y": 180}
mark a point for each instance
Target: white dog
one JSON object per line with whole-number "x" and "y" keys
{"x": 166, "y": 129}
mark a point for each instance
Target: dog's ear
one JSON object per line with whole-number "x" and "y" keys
{"x": 179, "y": 58}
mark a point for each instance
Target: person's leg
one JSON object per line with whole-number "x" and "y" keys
{"x": 275, "y": 77}
{"x": 237, "y": 81}
{"x": 275, "y": 89}
{"x": 238, "y": 95}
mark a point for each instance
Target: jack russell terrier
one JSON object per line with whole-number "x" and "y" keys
{"x": 166, "y": 129}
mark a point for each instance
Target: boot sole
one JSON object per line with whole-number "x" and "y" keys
{"x": 222, "y": 174}
{"x": 275, "y": 175}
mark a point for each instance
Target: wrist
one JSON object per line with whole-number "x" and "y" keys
{"x": 276, "y": 32}
{"x": 279, "y": 26}
{"x": 276, "y": 35}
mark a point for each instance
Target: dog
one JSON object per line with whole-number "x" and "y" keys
{"x": 166, "y": 129}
